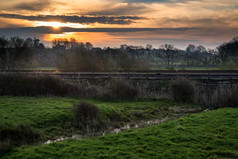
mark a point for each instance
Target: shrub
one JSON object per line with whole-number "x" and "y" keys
{"x": 85, "y": 114}
{"x": 24, "y": 85}
{"x": 121, "y": 90}
{"x": 11, "y": 136}
{"x": 182, "y": 90}
{"x": 89, "y": 91}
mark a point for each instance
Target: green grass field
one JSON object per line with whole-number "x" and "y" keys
{"x": 52, "y": 116}
{"x": 211, "y": 134}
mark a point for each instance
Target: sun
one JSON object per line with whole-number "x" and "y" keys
{"x": 54, "y": 25}
{"x": 57, "y": 25}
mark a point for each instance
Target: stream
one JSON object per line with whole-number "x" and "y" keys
{"x": 175, "y": 109}
{"x": 116, "y": 130}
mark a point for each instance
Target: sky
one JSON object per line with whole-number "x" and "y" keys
{"x": 114, "y": 22}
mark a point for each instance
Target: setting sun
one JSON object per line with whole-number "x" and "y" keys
{"x": 57, "y": 25}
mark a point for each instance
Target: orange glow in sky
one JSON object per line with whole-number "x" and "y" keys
{"x": 178, "y": 22}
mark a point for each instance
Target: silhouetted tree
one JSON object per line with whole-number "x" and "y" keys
{"x": 30, "y": 42}
{"x": 125, "y": 62}
{"x": 149, "y": 47}
{"x": 205, "y": 56}
{"x": 234, "y": 46}
{"x": 4, "y": 45}
{"x": 88, "y": 46}
{"x": 191, "y": 54}
{"x": 14, "y": 53}
{"x": 224, "y": 52}
{"x": 169, "y": 53}
{"x": 73, "y": 43}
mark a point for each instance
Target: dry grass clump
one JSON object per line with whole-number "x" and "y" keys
{"x": 121, "y": 90}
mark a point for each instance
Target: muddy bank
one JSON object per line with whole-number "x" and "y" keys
{"x": 112, "y": 131}
{"x": 178, "y": 112}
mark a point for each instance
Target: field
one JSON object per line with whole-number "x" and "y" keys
{"x": 52, "y": 116}
{"x": 152, "y": 67}
{"x": 211, "y": 134}
{"x": 187, "y": 132}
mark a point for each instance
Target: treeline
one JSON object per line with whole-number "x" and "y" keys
{"x": 69, "y": 54}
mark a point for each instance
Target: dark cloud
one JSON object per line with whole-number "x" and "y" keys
{"x": 50, "y": 30}
{"x": 37, "y": 30}
{"x": 158, "y": 1}
{"x": 221, "y": 21}
{"x": 77, "y": 19}
{"x": 147, "y": 1}
{"x": 156, "y": 42}
{"x": 33, "y": 5}
{"x": 125, "y": 9}
{"x": 168, "y": 40}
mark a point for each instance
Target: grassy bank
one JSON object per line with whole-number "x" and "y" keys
{"x": 210, "y": 134}
{"x": 52, "y": 116}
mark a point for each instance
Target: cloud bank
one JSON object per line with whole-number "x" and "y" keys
{"x": 33, "y": 5}
{"x": 50, "y": 30}
{"x": 78, "y": 19}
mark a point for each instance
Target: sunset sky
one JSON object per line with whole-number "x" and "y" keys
{"x": 115, "y": 22}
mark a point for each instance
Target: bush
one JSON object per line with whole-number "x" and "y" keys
{"x": 89, "y": 91}
{"x": 85, "y": 114}
{"x": 24, "y": 85}
{"x": 121, "y": 90}
{"x": 11, "y": 136}
{"x": 182, "y": 90}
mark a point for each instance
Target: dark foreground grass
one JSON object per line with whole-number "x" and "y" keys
{"x": 52, "y": 117}
{"x": 210, "y": 134}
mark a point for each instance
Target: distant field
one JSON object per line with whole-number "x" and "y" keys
{"x": 41, "y": 68}
{"x": 152, "y": 68}
{"x": 52, "y": 116}
{"x": 211, "y": 134}
{"x": 186, "y": 68}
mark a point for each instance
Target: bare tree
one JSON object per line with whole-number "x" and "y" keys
{"x": 4, "y": 44}
{"x": 125, "y": 62}
{"x": 191, "y": 55}
{"x": 206, "y": 57}
{"x": 73, "y": 43}
{"x": 14, "y": 53}
{"x": 149, "y": 47}
{"x": 223, "y": 52}
{"x": 169, "y": 53}
{"x": 88, "y": 46}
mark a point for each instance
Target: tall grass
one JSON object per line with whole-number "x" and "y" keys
{"x": 182, "y": 90}
{"x": 225, "y": 97}
{"x": 121, "y": 90}
{"x": 24, "y": 85}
